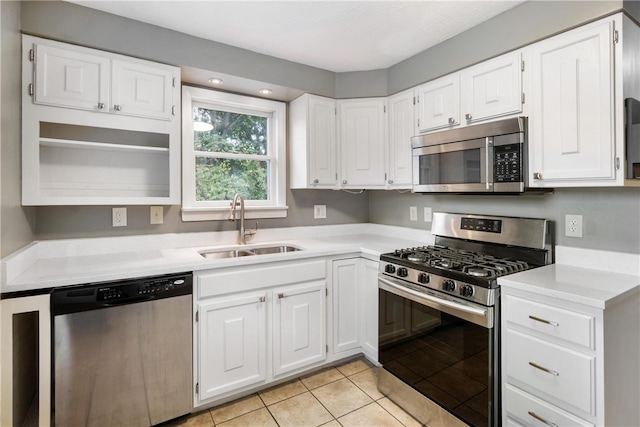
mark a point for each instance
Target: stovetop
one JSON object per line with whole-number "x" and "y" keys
{"x": 452, "y": 260}
{"x": 469, "y": 254}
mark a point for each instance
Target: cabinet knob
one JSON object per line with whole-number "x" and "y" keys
{"x": 390, "y": 181}
{"x": 537, "y": 175}
{"x": 344, "y": 181}
{"x": 100, "y": 105}
{"x": 280, "y": 295}
{"x": 468, "y": 116}
{"x": 451, "y": 120}
{"x": 262, "y": 299}
{"x": 315, "y": 181}
{"x": 117, "y": 107}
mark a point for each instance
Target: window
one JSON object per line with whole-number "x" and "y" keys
{"x": 232, "y": 144}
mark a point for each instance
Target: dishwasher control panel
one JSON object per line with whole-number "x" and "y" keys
{"x": 98, "y": 295}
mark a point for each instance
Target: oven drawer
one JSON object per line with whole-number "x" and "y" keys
{"x": 577, "y": 328}
{"x": 528, "y": 410}
{"x": 554, "y": 371}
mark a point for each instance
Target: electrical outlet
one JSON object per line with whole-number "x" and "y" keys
{"x": 573, "y": 225}
{"x": 428, "y": 217}
{"x": 119, "y": 217}
{"x": 156, "y": 215}
{"x": 319, "y": 211}
{"x": 413, "y": 213}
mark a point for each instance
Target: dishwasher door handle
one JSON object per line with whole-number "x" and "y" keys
{"x": 142, "y": 298}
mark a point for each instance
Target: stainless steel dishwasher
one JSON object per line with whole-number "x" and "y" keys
{"x": 122, "y": 351}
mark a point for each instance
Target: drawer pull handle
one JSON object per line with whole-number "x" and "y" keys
{"x": 548, "y": 322}
{"x": 542, "y": 420}
{"x": 542, "y": 368}
{"x": 281, "y": 295}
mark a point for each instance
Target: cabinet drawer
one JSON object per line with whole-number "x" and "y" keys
{"x": 530, "y": 411}
{"x": 238, "y": 279}
{"x": 559, "y": 372}
{"x": 577, "y": 328}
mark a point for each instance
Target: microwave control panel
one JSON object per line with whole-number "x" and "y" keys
{"x": 507, "y": 163}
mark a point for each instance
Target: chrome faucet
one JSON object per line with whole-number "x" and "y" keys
{"x": 242, "y": 237}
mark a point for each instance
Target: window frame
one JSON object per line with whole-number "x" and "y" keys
{"x": 275, "y": 206}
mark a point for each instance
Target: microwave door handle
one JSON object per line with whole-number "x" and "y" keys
{"x": 488, "y": 163}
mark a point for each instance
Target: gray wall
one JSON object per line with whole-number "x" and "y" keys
{"x": 522, "y": 25}
{"x": 611, "y": 216}
{"x": 16, "y": 222}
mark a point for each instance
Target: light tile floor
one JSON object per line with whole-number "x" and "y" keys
{"x": 346, "y": 396}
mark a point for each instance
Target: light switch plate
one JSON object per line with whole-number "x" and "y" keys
{"x": 428, "y": 216}
{"x": 319, "y": 211}
{"x": 156, "y": 215}
{"x": 119, "y": 217}
{"x": 413, "y": 213}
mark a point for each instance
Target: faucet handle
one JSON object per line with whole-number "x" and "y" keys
{"x": 251, "y": 233}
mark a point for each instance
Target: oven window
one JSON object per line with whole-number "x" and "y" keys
{"x": 443, "y": 357}
{"x": 458, "y": 167}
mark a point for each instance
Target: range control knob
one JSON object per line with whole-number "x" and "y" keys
{"x": 390, "y": 268}
{"x": 423, "y": 278}
{"x": 403, "y": 272}
{"x": 449, "y": 285}
{"x": 466, "y": 290}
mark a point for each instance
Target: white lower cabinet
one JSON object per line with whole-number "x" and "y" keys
{"x": 569, "y": 364}
{"x": 255, "y": 325}
{"x": 298, "y": 326}
{"x": 354, "y": 290}
{"x": 232, "y": 337}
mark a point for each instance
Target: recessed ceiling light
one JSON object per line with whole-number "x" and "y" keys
{"x": 215, "y": 81}
{"x": 265, "y": 91}
{"x": 199, "y": 126}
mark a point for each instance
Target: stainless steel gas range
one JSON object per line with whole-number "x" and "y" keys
{"x": 439, "y": 315}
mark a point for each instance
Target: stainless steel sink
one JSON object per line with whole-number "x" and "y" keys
{"x": 235, "y": 253}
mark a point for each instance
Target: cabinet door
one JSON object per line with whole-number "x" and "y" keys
{"x": 142, "y": 90}
{"x": 572, "y": 128}
{"x": 299, "y": 332}
{"x": 322, "y": 160}
{"x": 492, "y": 88}
{"x": 401, "y": 127}
{"x": 368, "y": 275}
{"x": 362, "y": 142}
{"x": 67, "y": 78}
{"x": 232, "y": 343}
{"x": 346, "y": 300}
{"x": 438, "y": 103}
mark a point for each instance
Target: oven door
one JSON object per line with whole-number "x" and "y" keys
{"x": 447, "y": 351}
{"x": 464, "y": 166}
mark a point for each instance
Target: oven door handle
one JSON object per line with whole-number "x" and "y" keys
{"x": 479, "y": 316}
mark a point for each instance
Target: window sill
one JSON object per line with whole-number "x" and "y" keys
{"x": 219, "y": 214}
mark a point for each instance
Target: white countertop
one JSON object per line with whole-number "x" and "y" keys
{"x": 49, "y": 264}
{"x": 595, "y": 288}
{"x": 53, "y": 263}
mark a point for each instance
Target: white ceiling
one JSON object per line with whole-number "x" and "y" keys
{"x": 338, "y": 36}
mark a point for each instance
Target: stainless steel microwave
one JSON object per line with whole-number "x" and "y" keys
{"x": 484, "y": 158}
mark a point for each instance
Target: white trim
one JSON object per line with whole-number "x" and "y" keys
{"x": 251, "y": 212}
{"x": 275, "y": 207}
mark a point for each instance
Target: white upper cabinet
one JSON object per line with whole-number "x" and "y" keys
{"x": 143, "y": 90}
{"x": 75, "y": 77}
{"x": 69, "y": 78}
{"x": 313, "y": 142}
{"x": 438, "y": 103}
{"x": 98, "y": 128}
{"x": 575, "y": 137}
{"x": 362, "y": 139}
{"x": 401, "y": 129}
{"x": 492, "y": 88}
